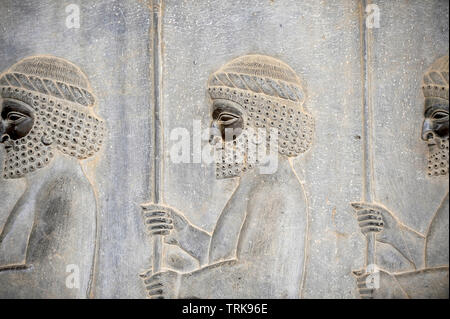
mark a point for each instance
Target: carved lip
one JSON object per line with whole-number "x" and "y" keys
{"x": 8, "y": 144}
{"x": 6, "y": 141}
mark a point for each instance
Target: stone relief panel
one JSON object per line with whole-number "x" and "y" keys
{"x": 407, "y": 185}
{"x": 397, "y": 103}
{"x": 289, "y": 149}
{"x": 263, "y": 227}
{"x": 321, "y": 52}
{"x": 422, "y": 257}
{"x": 46, "y": 113}
{"x": 111, "y": 47}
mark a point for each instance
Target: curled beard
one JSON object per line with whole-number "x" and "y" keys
{"x": 231, "y": 157}
{"x": 248, "y": 150}
{"x": 438, "y": 158}
{"x": 28, "y": 153}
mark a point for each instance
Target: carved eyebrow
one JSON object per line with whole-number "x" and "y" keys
{"x": 220, "y": 109}
{"x": 216, "y": 113}
{"x": 433, "y": 109}
{"x": 224, "y": 104}
{"x": 22, "y": 107}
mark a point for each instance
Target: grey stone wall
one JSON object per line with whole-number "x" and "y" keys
{"x": 362, "y": 87}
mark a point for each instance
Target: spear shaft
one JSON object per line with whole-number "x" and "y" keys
{"x": 157, "y": 123}
{"x": 367, "y": 127}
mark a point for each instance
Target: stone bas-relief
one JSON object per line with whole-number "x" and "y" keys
{"x": 261, "y": 234}
{"x": 47, "y": 126}
{"x": 245, "y": 226}
{"x": 427, "y": 254}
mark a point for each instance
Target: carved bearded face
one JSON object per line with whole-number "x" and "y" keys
{"x": 34, "y": 126}
{"x": 256, "y": 109}
{"x": 229, "y": 136}
{"x": 46, "y": 106}
{"x": 21, "y": 133}
{"x": 435, "y": 133}
{"x": 435, "y": 125}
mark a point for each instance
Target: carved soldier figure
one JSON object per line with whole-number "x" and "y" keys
{"x": 47, "y": 126}
{"x": 258, "y": 247}
{"x": 428, "y": 253}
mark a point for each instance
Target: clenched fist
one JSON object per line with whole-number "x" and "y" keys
{"x": 161, "y": 285}
{"x": 378, "y": 285}
{"x": 373, "y": 218}
{"x": 165, "y": 221}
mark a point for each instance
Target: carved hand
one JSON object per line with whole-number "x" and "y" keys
{"x": 164, "y": 220}
{"x": 161, "y": 285}
{"x": 377, "y": 219}
{"x": 378, "y": 285}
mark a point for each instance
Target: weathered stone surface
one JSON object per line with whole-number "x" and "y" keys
{"x": 159, "y": 72}
{"x": 319, "y": 50}
{"x": 112, "y": 48}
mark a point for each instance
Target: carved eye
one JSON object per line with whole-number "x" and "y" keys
{"x": 440, "y": 115}
{"x": 15, "y": 117}
{"x": 227, "y": 119}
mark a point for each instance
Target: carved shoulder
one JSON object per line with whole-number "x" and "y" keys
{"x": 286, "y": 191}
{"x": 68, "y": 189}
{"x": 65, "y": 209}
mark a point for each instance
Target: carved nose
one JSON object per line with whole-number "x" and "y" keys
{"x": 214, "y": 133}
{"x": 2, "y": 131}
{"x": 427, "y": 130}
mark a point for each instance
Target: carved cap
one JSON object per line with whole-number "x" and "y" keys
{"x": 260, "y": 74}
{"x": 435, "y": 79}
{"x": 52, "y": 76}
